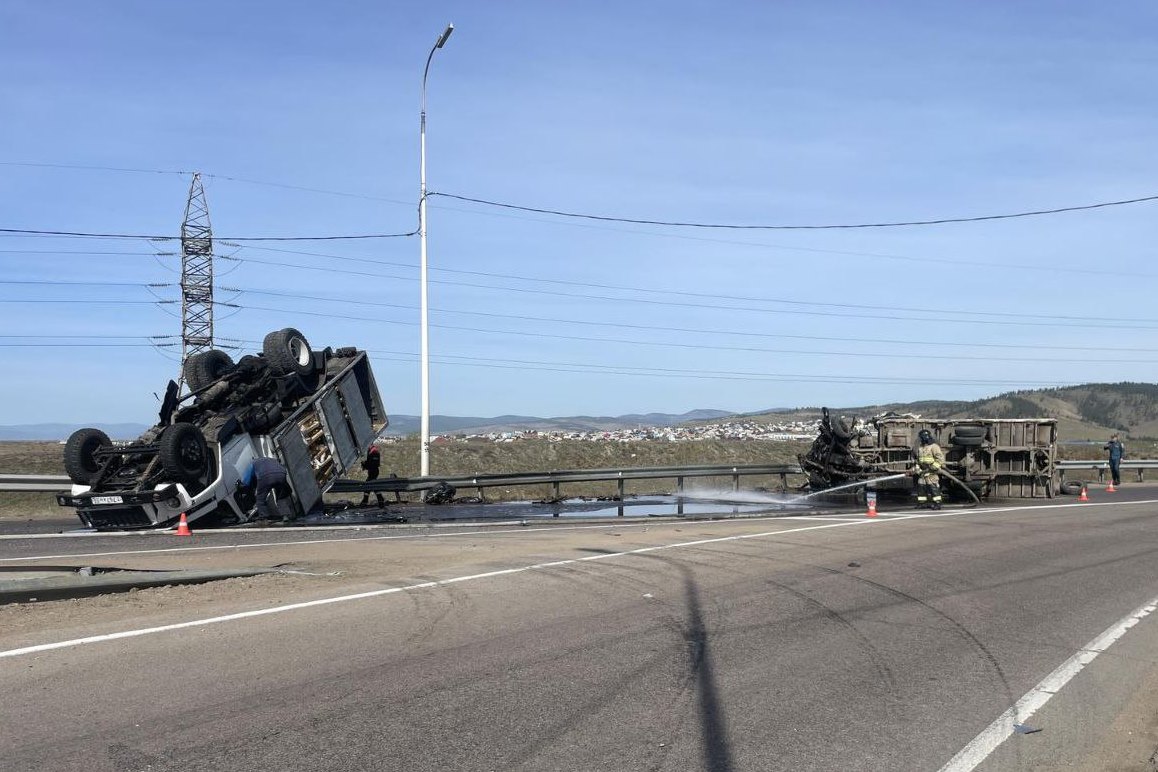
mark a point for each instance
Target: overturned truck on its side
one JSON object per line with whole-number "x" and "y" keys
{"x": 995, "y": 457}
{"x": 314, "y": 411}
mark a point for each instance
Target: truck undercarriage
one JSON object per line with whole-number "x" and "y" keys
{"x": 315, "y": 411}
{"x": 997, "y": 458}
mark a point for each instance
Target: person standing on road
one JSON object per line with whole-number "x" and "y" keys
{"x": 267, "y": 476}
{"x": 372, "y": 464}
{"x": 1117, "y": 452}
{"x": 930, "y": 459}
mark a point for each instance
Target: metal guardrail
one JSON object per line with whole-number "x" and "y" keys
{"x": 45, "y": 483}
{"x": 1140, "y": 465}
{"x": 556, "y": 479}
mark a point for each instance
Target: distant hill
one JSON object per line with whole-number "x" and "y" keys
{"x": 1089, "y": 411}
{"x": 61, "y": 431}
{"x": 401, "y": 425}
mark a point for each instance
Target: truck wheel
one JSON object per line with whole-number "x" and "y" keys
{"x": 205, "y": 367}
{"x": 1071, "y": 487}
{"x": 841, "y": 429}
{"x": 79, "y": 454}
{"x": 288, "y": 351}
{"x": 966, "y": 441}
{"x": 969, "y": 430}
{"x": 183, "y": 452}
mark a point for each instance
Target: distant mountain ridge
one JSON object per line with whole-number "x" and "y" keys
{"x": 56, "y": 431}
{"x": 1088, "y": 411}
{"x": 401, "y": 425}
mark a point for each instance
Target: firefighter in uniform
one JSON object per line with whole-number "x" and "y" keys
{"x": 930, "y": 459}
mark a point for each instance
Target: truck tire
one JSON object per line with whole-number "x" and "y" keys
{"x": 183, "y": 452}
{"x": 1071, "y": 487}
{"x": 965, "y": 441}
{"x": 287, "y": 351}
{"x": 970, "y": 430}
{"x": 79, "y": 454}
{"x": 205, "y": 367}
{"x": 840, "y": 429}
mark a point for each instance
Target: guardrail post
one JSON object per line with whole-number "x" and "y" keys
{"x": 1101, "y": 475}
{"x": 619, "y": 485}
{"x": 784, "y": 482}
{"x": 555, "y": 490}
{"x": 1140, "y": 477}
{"x": 735, "y": 480}
{"x": 679, "y": 486}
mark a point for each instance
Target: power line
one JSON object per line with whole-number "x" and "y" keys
{"x": 206, "y": 175}
{"x": 63, "y": 283}
{"x": 585, "y": 216}
{"x": 726, "y": 375}
{"x": 723, "y": 226}
{"x": 93, "y": 337}
{"x": 939, "y": 319}
{"x": 589, "y": 339}
{"x": 92, "y": 302}
{"x": 585, "y": 322}
{"x": 624, "y": 287}
{"x": 154, "y": 237}
{"x": 585, "y": 367}
{"x": 683, "y": 293}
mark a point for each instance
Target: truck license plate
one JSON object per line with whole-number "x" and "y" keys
{"x": 107, "y": 500}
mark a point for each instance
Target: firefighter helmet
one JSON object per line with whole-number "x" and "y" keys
{"x": 925, "y": 436}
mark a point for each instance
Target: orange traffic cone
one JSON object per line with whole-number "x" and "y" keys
{"x": 1083, "y": 497}
{"x": 183, "y": 527}
{"x": 872, "y": 507}
{"x": 1110, "y": 488}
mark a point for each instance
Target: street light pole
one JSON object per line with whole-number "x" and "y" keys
{"x": 425, "y": 366}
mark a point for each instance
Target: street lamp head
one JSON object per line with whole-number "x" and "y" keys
{"x": 444, "y": 36}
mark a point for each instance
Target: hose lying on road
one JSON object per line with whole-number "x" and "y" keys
{"x": 964, "y": 487}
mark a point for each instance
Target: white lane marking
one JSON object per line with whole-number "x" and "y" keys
{"x": 883, "y": 516}
{"x": 419, "y": 586}
{"x": 415, "y": 535}
{"x": 996, "y": 733}
{"x": 489, "y": 574}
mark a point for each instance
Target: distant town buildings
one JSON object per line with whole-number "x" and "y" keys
{"x": 738, "y": 430}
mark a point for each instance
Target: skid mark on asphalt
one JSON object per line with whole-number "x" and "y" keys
{"x": 1002, "y": 727}
{"x": 873, "y": 522}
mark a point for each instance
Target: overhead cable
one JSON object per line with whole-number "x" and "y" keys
{"x": 840, "y": 226}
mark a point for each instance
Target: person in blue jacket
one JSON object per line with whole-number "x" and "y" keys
{"x": 267, "y": 476}
{"x": 1117, "y": 452}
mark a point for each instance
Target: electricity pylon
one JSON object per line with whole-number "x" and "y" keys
{"x": 196, "y": 276}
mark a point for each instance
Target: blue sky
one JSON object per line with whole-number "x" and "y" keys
{"x": 740, "y": 113}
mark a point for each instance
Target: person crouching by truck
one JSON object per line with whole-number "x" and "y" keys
{"x": 1117, "y": 452}
{"x": 373, "y": 465}
{"x": 267, "y": 476}
{"x": 930, "y": 459}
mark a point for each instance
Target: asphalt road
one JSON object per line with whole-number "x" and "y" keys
{"x": 826, "y": 642}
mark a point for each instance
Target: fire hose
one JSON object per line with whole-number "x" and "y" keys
{"x": 964, "y": 487}
{"x": 945, "y": 473}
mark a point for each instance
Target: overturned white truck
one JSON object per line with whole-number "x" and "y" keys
{"x": 315, "y": 411}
